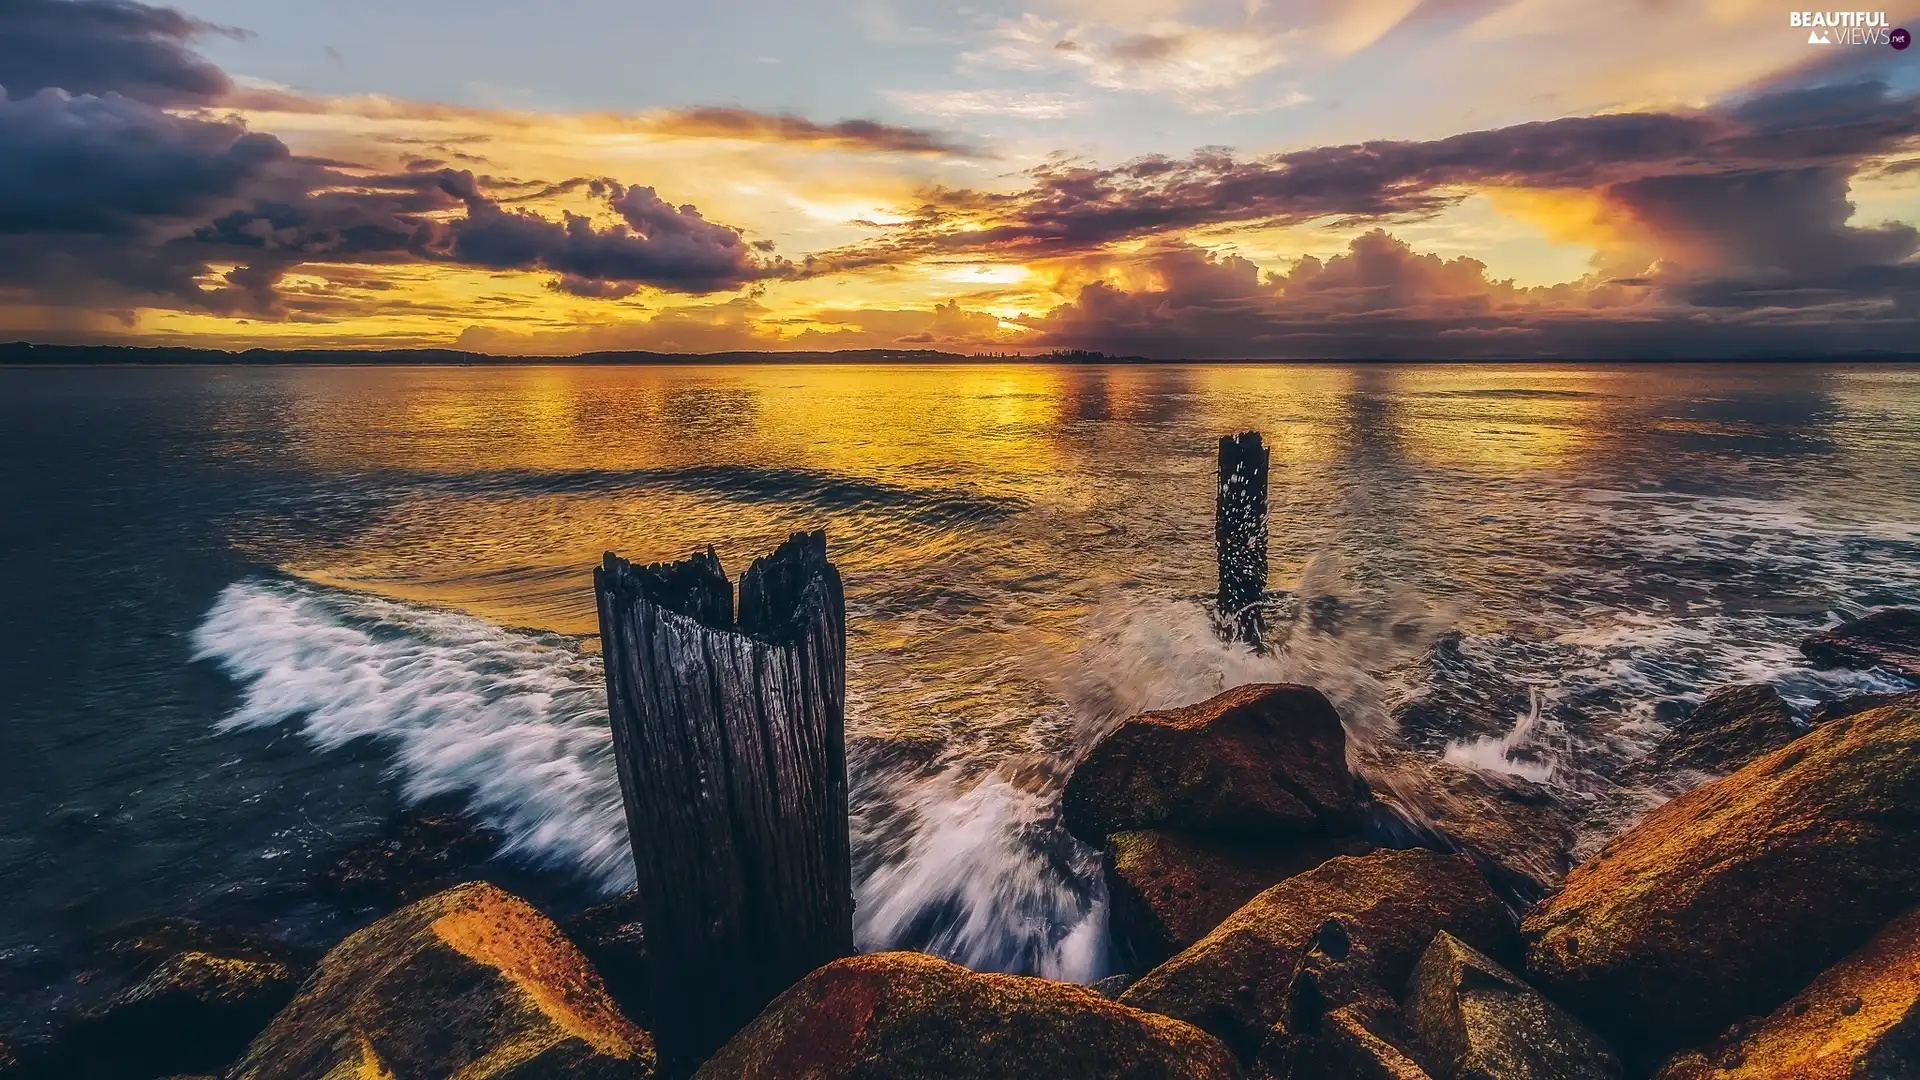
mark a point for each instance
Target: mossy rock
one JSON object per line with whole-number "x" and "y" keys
{"x": 472, "y": 982}
{"x": 1860, "y": 1020}
{"x": 1373, "y": 913}
{"x": 906, "y": 1016}
{"x": 1476, "y": 1019}
{"x": 1167, "y": 889}
{"x": 1729, "y": 899}
{"x": 1262, "y": 760}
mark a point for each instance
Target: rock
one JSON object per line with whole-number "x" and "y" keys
{"x": 1734, "y": 725}
{"x": 164, "y": 996}
{"x": 1265, "y": 760}
{"x": 1167, "y": 889}
{"x": 906, "y": 1016}
{"x": 1860, "y": 1020}
{"x": 194, "y": 1014}
{"x": 1338, "y": 1019}
{"x": 1727, "y": 900}
{"x": 419, "y": 853}
{"x": 1854, "y": 703}
{"x": 1477, "y": 1020}
{"x": 473, "y": 982}
{"x": 1112, "y": 986}
{"x": 1888, "y": 638}
{"x": 1352, "y": 1042}
{"x": 1521, "y": 834}
{"x": 1459, "y": 695}
{"x": 611, "y": 937}
{"x": 1384, "y": 907}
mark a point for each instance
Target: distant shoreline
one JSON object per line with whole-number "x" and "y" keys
{"x": 27, "y": 354}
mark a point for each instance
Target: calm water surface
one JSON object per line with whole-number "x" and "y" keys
{"x": 250, "y": 612}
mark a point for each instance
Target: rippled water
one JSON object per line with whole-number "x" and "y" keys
{"x": 249, "y": 612}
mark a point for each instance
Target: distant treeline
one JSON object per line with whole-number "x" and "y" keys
{"x": 21, "y": 352}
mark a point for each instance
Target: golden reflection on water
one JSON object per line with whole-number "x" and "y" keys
{"x": 1007, "y": 499}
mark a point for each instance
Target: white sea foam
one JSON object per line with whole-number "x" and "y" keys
{"x": 969, "y": 867}
{"x": 514, "y": 722}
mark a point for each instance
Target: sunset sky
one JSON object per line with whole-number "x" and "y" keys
{"x": 1171, "y": 178}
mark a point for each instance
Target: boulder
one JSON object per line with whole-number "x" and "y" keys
{"x": 1888, "y": 638}
{"x": 194, "y": 1013}
{"x": 471, "y": 982}
{"x": 1263, "y": 760}
{"x": 614, "y": 942}
{"x": 1855, "y": 703}
{"x": 906, "y": 1016}
{"x": 1384, "y": 908}
{"x": 1519, "y": 832}
{"x": 1725, "y": 901}
{"x": 1459, "y": 693}
{"x": 1734, "y": 725}
{"x": 1338, "y": 1020}
{"x": 1860, "y": 1020}
{"x": 1477, "y": 1021}
{"x": 1167, "y": 888}
{"x": 158, "y": 997}
{"x": 1352, "y": 1042}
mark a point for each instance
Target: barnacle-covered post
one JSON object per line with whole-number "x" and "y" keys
{"x": 729, "y": 733}
{"x": 1240, "y": 537}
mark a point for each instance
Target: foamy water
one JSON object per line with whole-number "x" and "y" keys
{"x": 258, "y": 590}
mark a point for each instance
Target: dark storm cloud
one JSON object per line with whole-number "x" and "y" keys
{"x": 105, "y": 46}
{"x": 653, "y": 243}
{"x": 1071, "y": 207}
{"x": 1382, "y": 299}
{"x": 111, "y": 165}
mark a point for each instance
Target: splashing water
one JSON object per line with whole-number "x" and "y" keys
{"x": 515, "y": 722}
{"x": 1502, "y": 754}
{"x": 961, "y": 853}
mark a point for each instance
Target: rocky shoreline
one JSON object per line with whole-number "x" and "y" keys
{"x": 1289, "y": 907}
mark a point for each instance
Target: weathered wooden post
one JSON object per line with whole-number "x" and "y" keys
{"x": 730, "y": 738}
{"x": 1240, "y": 536}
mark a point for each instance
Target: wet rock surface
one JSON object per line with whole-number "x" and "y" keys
{"x": 1727, "y": 900}
{"x": 1520, "y": 832}
{"x": 1856, "y": 703}
{"x": 1259, "y": 760}
{"x": 613, "y": 941}
{"x": 470, "y": 982}
{"x": 1734, "y": 725}
{"x": 1458, "y": 697}
{"x": 1352, "y": 1042}
{"x": 1888, "y": 638}
{"x": 1167, "y": 889}
{"x": 1860, "y": 1020}
{"x": 905, "y": 1016}
{"x": 1475, "y": 1020}
{"x": 157, "y": 998}
{"x": 417, "y": 854}
{"x": 1239, "y": 980}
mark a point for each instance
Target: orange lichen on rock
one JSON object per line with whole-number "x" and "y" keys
{"x": 1725, "y": 901}
{"x": 1860, "y": 1020}
{"x": 905, "y": 1016}
{"x": 526, "y": 948}
{"x": 1385, "y": 907}
{"x": 1168, "y": 888}
{"x": 472, "y": 982}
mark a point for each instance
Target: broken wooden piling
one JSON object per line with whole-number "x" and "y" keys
{"x": 729, "y": 734}
{"x": 1240, "y": 536}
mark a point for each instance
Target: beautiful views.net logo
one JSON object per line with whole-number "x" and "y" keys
{"x": 1848, "y": 28}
